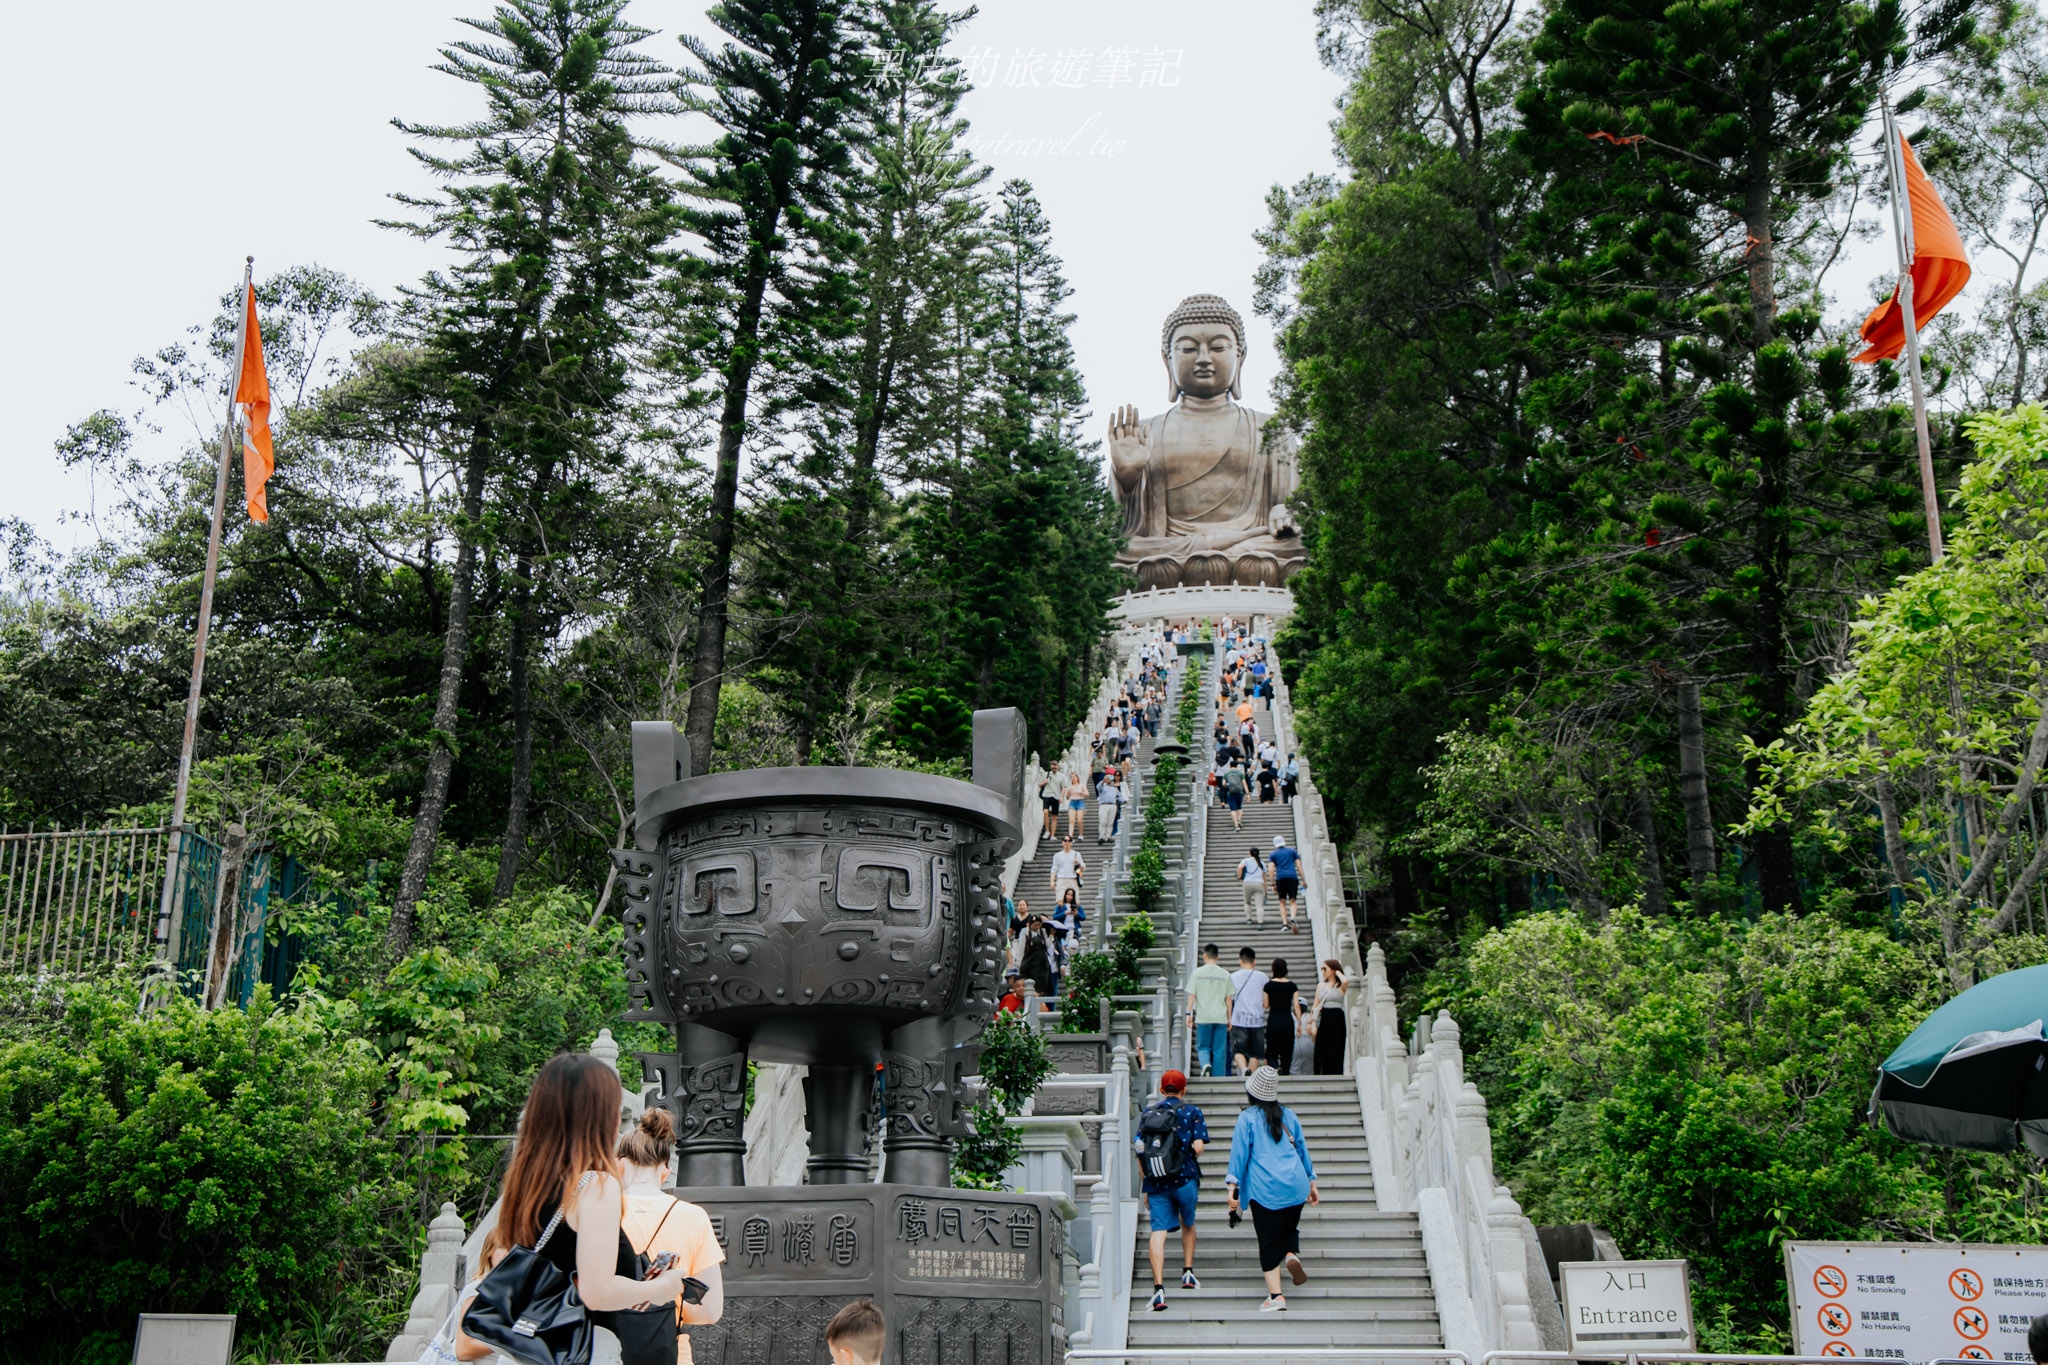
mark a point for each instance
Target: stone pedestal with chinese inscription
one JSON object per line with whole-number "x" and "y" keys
{"x": 961, "y": 1275}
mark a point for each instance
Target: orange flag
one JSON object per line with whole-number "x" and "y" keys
{"x": 1940, "y": 269}
{"x": 252, "y": 391}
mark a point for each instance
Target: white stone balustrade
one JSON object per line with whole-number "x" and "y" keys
{"x": 441, "y": 1276}
{"x": 1425, "y": 1124}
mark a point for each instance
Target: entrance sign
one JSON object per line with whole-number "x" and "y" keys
{"x": 1612, "y": 1306}
{"x": 1915, "y": 1301}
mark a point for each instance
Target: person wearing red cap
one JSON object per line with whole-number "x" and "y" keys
{"x": 1171, "y": 1135}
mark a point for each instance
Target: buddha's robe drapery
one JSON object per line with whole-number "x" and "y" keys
{"x": 1223, "y": 502}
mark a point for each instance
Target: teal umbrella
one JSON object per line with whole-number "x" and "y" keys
{"x": 1975, "y": 1074}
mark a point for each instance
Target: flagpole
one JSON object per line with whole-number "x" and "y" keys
{"x": 165, "y": 912}
{"x": 1902, "y": 224}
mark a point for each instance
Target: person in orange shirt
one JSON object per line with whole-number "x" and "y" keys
{"x": 655, "y": 1221}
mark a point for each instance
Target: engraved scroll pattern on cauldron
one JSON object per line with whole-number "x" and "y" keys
{"x": 984, "y": 926}
{"x": 929, "y": 1098}
{"x": 707, "y": 1100}
{"x": 841, "y": 906}
{"x": 641, "y": 944}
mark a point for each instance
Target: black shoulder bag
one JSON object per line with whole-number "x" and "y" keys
{"x": 528, "y": 1309}
{"x": 647, "y": 1336}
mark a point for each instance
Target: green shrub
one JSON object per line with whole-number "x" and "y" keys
{"x": 1146, "y": 880}
{"x": 1013, "y": 1064}
{"x": 182, "y": 1160}
{"x": 1013, "y": 1061}
{"x": 1094, "y": 977}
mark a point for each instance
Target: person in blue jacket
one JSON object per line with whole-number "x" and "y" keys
{"x": 1271, "y": 1170}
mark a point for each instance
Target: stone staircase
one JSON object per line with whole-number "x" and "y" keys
{"x": 1369, "y": 1281}
{"x": 1223, "y": 912}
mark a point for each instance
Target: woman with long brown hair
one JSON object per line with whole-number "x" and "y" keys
{"x": 563, "y": 1161}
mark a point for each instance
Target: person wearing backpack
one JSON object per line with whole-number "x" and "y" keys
{"x": 1171, "y": 1135}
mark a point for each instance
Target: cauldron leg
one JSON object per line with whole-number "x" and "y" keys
{"x": 837, "y": 1102}
{"x": 924, "y": 1110}
{"x": 709, "y": 1102}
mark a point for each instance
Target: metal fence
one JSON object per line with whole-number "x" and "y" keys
{"x": 72, "y": 901}
{"x": 79, "y": 902}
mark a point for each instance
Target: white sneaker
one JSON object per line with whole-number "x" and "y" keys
{"x": 1275, "y": 1303}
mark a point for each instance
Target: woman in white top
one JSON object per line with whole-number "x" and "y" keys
{"x": 1077, "y": 804}
{"x": 1251, "y": 875}
{"x": 1326, "y": 1019}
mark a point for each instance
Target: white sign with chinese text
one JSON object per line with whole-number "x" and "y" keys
{"x": 1915, "y": 1301}
{"x": 1614, "y": 1306}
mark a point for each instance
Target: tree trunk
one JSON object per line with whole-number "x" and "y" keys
{"x": 1894, "y": 840}
{"x": 878, "y": 376}
{"x": 1777, "y": 876}
{"x": 1692, "y": 789}
{"x": 1407, "y": 897}
{"x": 426, "y": 824}
{"x": 707, "y": 669}
{"x": 1642, "y": 818}
{"x": 513, "y": 849}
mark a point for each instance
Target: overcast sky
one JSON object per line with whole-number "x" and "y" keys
{"x": 201, "y": 132}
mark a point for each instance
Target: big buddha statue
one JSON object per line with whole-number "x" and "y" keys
{"x": 1204, "y": 485}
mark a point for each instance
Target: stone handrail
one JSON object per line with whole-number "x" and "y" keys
{"x": 1123, "y": 661}
{"x": 1425, "y": 1124}
{"x": 442, "y": 1267}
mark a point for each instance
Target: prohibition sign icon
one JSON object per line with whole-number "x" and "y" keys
{"x": 1830, "y": 1281}
{"x": 1973, "y": 1351}
{"x": 1837, "y": 1348}
{"x": 1966, "y": 1284}
{"x": 1834, "y": 1319}
{"x": 1971, "y": 1323}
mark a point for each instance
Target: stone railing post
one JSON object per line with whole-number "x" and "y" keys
{"x": 1508, "y": 1252}
{"x": 441, "y": 1272}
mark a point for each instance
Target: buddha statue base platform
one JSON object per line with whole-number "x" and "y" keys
{"x": 1205, "y": 602}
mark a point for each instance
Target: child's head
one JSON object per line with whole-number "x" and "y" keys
{"x": 857, "y": 1334}
{"x": 2037, "y": 1339}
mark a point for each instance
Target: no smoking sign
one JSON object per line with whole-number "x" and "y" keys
{"x": 1915, "y": 1302}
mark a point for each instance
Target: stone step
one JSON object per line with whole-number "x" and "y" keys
{"x": 1349, "y": 1230}
{"x": 1268, "y": 1336}
{"x": 1225, "y": 1280}
{"x": 1337, "y": 1262}
{"x": 1238, "y": 1302}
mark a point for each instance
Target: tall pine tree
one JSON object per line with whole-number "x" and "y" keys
{"x": 785, "y": 94}
{"x": 1710, "y": 488}
{"x": 555, "y": 223}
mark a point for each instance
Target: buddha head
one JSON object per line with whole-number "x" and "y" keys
{"x": 1202, "y": 345}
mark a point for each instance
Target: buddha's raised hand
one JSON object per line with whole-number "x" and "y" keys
{"x": 1127, "y": 448}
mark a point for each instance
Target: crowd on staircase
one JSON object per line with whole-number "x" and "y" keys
{"x": 1266, "y": 1076}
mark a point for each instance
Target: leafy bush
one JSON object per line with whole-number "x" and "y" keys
{"x": 1146, "y": 880}
{"x": 188, "y": 1161}
{"x": 1013, "y": 1061}
{"x": 931, "y": 723}
{"x": 1698, "y": 1088}
{"x": 1094, "y": 977}
{"x": 1013, "y": 1064}
{"x": 484, "y": 996}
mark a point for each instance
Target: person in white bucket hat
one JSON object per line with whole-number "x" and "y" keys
{"x": 1270, "y": 1169}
